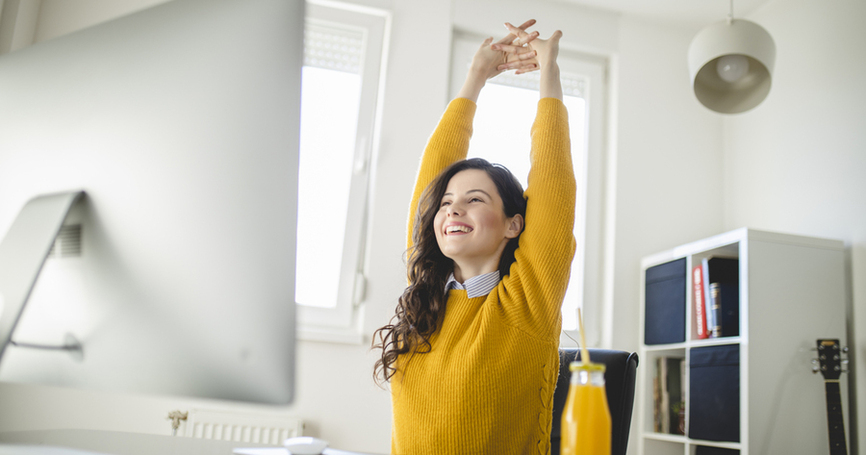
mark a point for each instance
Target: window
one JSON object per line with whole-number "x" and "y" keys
{"x": 340, "y": 89}
{"x": 510, "y": 99}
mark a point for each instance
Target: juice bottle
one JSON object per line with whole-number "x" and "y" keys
{"x": 586, "y": 423}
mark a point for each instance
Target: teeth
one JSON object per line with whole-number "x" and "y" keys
{"x": 458, "y": 229}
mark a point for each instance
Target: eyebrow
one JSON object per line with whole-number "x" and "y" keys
{"x": 470, "y": 192}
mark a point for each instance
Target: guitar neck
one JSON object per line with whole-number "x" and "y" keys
{"x": 835, "y": 420}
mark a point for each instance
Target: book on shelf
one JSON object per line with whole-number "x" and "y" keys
{"x": 669, "y": 395}
{"x": 698, "y": 301}
{"x": 677, "y": 393}
{"x": 716, "y": 308}
{"x": 726, "y": 298}
{"x": 656, "y": 400}
{"x": 708, "y": 308}
{"x": 721, "y": 283}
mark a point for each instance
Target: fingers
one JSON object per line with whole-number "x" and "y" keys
{"x": 526, "y": 55}
{"x": 508, "y": 39}
{"x": 521, "y": 36}
{"x": 527, "y": 70}
{"x": 525, "y": 39}
{"x": 521, "y": 51}
{"x": 526, "y": 52}
{"x": 520, "y": 66}
{"x": 527, "y": 24}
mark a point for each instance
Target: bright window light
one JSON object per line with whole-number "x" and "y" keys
{"x": 503, "y": 121}
{"x": 329, "y": 118}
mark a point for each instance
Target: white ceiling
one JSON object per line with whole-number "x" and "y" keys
{"x": 688, "y": 13}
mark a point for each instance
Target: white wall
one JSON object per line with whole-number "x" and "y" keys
{"x": 669, "y": 161}
{"x": 797, "y": 163}
{"x": 59, "y": 17}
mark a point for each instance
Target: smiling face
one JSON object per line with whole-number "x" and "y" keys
{"x": 471, "y": 226}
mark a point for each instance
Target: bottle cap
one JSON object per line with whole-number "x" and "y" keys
{"x": 574, "y": 366}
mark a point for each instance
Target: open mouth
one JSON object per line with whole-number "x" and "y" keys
{"x": 457, "y": 229}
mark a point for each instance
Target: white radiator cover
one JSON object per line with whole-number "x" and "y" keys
{"x": 241, "y": 427}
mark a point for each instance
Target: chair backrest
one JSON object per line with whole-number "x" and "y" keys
{"x": 619, "y": 377}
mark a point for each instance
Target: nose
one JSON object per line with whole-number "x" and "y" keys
{"x": 454, "y": 209}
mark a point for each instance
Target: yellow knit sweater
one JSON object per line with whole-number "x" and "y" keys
{"x": 486, "y": 386}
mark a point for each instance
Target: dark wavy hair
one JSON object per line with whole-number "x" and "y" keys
{"x": 422, "y": 305}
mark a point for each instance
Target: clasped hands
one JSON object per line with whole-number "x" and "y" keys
{"x": 520, "y": 50}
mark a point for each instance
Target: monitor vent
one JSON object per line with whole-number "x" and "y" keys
{"x": 68, "y": 242}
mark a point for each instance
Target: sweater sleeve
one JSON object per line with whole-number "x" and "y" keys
{"x": 539, "y": 277}
{"x": 448, "y": 144}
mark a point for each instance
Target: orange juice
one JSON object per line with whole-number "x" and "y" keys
{"x": 586, "y": 426}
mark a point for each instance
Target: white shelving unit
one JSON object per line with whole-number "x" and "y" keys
{"x": 792, "y": 292}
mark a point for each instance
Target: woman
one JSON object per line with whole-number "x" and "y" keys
{"x": 473, "y": 365}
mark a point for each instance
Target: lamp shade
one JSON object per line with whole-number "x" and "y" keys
{"x": 731, "y": 65}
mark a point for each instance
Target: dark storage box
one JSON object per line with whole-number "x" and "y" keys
{"x": 665, "y": 298}
{"x": 714, "y": 388}
{"x": 706, "y": 450}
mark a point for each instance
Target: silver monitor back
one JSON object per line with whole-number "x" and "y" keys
{"x": 180, "y": 123}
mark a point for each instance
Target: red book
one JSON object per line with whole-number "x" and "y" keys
{"x": 698, "y": 300}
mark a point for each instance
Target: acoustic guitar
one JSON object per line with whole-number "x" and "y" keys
{"x": 830, "y": 366}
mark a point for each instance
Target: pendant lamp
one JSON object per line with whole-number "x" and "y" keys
{"x": 731, "y": 65}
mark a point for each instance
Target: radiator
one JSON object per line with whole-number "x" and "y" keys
{"x": 241, "y": 427}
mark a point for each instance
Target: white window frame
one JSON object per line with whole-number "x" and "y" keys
{"x": 341, "y": 323}
{"x": 591, "y": 195}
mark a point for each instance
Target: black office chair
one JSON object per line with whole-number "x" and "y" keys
{"x": 619, "y": 378}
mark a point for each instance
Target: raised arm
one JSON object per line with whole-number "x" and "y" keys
{"x": 547, "y": 244}
{"x": 450, "y": 141}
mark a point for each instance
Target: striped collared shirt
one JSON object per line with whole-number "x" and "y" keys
{"x": 476, "y": 286}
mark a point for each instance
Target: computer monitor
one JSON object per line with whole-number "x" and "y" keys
{"x": 179, "y": 124}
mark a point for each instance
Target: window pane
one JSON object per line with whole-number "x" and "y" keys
{"x": 329, "y": 118}
{"x": 335, "y": 48}
{"x": 503, "y": 121}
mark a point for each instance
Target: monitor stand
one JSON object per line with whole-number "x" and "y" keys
{"x": 23, "y": 251}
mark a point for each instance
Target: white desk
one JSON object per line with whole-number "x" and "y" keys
{"x": 93, "y": 442}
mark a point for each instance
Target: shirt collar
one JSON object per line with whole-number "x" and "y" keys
{"x": 476, "y": 286}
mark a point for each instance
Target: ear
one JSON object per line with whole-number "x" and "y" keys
{"x": 515, "y": 226}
